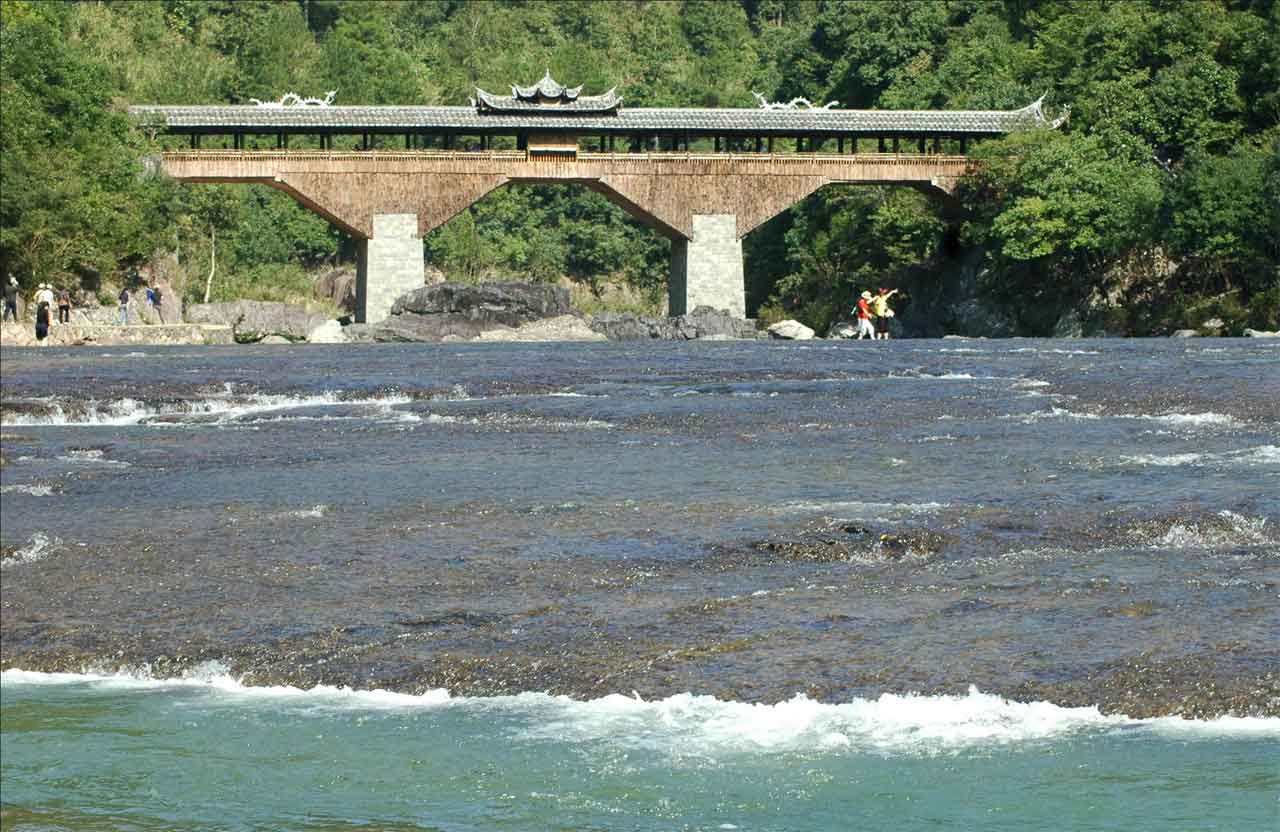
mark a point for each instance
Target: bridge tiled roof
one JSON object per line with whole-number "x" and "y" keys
{"x": 706, "y": 121}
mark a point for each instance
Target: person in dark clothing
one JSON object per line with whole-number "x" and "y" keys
{"x": 64, "y": 307}
{"x": 42, "y": 323}
{"x": 11, "y": 299}
{"x": 124, "y": 306}
{"x": 156, "y": 302}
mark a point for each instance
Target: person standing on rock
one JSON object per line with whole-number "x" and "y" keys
{"x": 124, "y": 306}
{"x": 157, "y": 301}
{"x": 11, "y": 299}
{"x": 863, "y": 311}
{"x": 42, "y": 322}
{"x": 880, "y": 308}
{"x": 64, "y": 307}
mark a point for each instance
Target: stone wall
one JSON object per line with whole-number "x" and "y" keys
{"x": 66, "y": 335}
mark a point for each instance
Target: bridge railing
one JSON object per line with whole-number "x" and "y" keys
{"x": 781, "y": 159}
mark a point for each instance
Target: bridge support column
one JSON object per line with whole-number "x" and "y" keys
{"x": 707, "y": 270}
{"x": 390, "y": 263}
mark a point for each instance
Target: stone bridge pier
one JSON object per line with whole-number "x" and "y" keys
{"x": 707, "y": 270}
{"x": 389, "y": 264}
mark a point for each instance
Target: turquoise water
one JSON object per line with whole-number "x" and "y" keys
{"x": 205, "y": 753}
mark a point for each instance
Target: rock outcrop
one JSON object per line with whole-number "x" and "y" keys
{"x": 337, "y": 286}
{"x": 254, "y": 320}
{"x": 464, "y": 311}
{"x": 975, "y": 318}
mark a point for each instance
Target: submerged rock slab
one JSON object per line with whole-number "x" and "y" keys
{"x": 703, "y": 323}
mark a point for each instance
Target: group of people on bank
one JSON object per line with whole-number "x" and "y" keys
{"x": 872, "y": 310}
{"x": 45, "y": 301}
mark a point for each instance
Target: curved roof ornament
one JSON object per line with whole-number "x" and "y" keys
{"x": 1035, "y": 112}
{"x": 793, "y": 104}
{"x": 546, "y": 88}
{"x": 292, "y": 99}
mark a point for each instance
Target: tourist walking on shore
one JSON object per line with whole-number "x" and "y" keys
{"x": 64, "y": 307}
{"x": 880, "y": 308}
{"x": 863, "y": 311}
{"x": 11, "y": 299}
{"x": 157, "y": 301}
{"x": 124, "y": 306}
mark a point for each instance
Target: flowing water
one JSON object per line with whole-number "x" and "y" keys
{"x": 914, "y": 584}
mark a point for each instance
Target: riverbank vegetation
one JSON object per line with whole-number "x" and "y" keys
{"x": 1155, "y": 207}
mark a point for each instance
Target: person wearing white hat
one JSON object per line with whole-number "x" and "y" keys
{"x": 863, "y": 311}
{"x": 45, "y": 295}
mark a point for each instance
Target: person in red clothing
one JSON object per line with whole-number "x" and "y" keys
{"x": 863, "y": 310}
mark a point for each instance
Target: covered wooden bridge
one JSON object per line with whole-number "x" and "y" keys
{"x": 704, "y": 177}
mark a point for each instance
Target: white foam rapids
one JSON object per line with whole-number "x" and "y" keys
{"x": 218, "y": 409}
{"x": 687, "y": 724}
{"x": 1261, "y": 455}
{"x": 29, "y": 490}
{"x": 38, "y": 547}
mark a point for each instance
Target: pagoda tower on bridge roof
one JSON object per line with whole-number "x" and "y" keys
{"x": 547, "y": 97}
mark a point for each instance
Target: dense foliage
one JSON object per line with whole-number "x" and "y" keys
{"x": 1156, "y": 206}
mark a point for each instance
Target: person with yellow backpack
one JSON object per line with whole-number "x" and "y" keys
{"x": 880, "y": 308}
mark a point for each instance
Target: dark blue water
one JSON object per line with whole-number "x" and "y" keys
{"x": 1091, "y": 524}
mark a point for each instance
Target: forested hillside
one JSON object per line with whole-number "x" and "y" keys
{"x": 1156, "y": 206}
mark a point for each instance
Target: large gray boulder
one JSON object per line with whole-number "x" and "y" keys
{"x": 253, "y": 320}
{"x": 463, "y": 311}
{"x": 790, "y": 331}
{"x": 509, "y": 304}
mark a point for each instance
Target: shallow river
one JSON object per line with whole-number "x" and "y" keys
{"x": 663, "y": 586}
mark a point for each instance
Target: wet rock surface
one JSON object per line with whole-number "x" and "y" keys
{"x": 750, "y": 523}
{"x": 488, "y": 625}
{"x": 702, "y": 323}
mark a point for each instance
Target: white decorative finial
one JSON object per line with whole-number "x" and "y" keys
{"x": 793, "y": 104}
{"x": 292, "y": 99}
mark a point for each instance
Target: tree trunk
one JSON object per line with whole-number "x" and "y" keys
{"x": 208, "y": 283}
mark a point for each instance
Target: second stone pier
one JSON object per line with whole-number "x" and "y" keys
{"x": 390, "y": 264}
{"x": 707, "y": 270}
